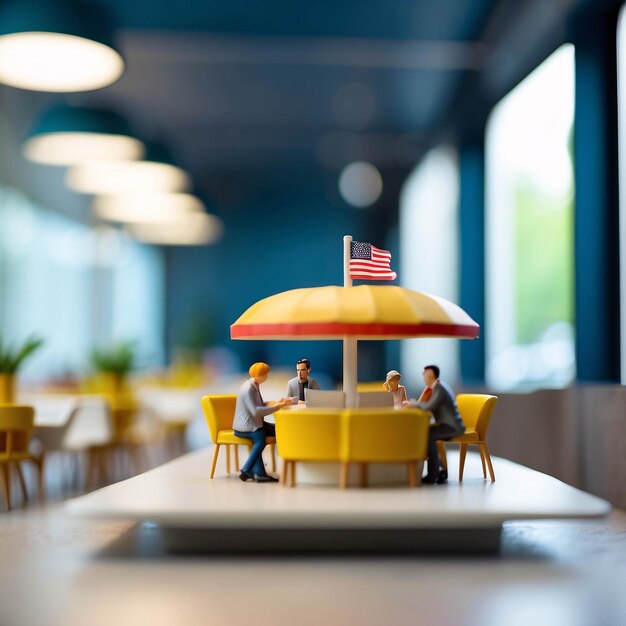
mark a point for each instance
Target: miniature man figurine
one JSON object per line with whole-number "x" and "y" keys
{"x": 297, "y": 385}
{"x": 249, "y": 423}
{"x": 442, "y": 404}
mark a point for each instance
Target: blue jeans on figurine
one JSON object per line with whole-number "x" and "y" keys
{"x": 254, "y": 466}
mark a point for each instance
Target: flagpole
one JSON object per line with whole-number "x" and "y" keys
{"x": 349, "y": 343}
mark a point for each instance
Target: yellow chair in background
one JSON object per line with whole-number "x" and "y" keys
{"x": 476, "y": 410}
{"x": 383, "y": 436}
{"x": 219, "y": 411}
{"x": 16, "y": 427}
{"x": 310, "y": 435}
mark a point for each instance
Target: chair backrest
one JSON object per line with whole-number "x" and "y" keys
{"x": 219, "y": 412}
{"x": 476, "y": 410}
{"x": 16, "y": 426}
{"x": 317, "y": 399}
{"x": 308, "y": 435}
{"x": 379, "y": 435}
{"x": 367, "y": 399}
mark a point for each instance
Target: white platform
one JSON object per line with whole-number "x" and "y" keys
{"x": 180, "y": 495}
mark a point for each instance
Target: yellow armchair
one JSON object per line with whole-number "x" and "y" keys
{"x": 16, "y": 427}
{"x": 307, "y": 435}
{"x": 476, "y": 411}
{"x": 383, "y": 436}
{"x": 219, "y": 411}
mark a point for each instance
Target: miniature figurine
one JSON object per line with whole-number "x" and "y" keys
{"x": 392, "y": 384}
{"x": 249, "y": 423}
{"x": 297, "y": 385}
{"x": 442, "y": 404}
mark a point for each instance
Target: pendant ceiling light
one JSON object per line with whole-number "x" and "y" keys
{"x": 193, "y": 229}
{"x": 157, "y": 173}
{"x": 66, "y": 135}
{"x": 56, "y": 45}
{"x": 147, "y": 207}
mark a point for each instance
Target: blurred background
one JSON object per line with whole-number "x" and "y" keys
{"x": 190, "y": 159}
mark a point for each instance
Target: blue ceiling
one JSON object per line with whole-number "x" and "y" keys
{"x": 243, "y": 86}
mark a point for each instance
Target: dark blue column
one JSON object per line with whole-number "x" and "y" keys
{"x": 472, "y": 255}
{"x": 596, "y": 235}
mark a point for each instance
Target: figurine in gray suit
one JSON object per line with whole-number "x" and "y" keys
{"x": 442, "y": 404}
{"x": 297, "y": 385}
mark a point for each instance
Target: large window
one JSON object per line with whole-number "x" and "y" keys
{"x": 429, "y": 255}
{"x": 76, "y": 287}
{"x": 529, "y": 194}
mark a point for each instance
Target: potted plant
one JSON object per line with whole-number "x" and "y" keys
{"x": 113, "y": 365}
{"x": 10, "y": 361}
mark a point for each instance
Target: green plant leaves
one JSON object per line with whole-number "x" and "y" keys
{"x": 117, "y": 358}
{"x": 12, "y": 358}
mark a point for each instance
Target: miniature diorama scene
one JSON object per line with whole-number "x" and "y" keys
{"x": 312, "y": 313}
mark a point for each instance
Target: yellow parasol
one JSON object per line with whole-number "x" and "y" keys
{"x": 351, "y": 313}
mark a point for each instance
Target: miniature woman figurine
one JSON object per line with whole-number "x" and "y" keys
{"x": 249, "y": 423}
{"x": 392, "y": 384}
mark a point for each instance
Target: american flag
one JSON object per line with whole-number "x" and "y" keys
{"x": 367, "y": 262}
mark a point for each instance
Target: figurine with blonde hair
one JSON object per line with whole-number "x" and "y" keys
{"x": 249, "y": 423}
{"x": 392, "y": 385}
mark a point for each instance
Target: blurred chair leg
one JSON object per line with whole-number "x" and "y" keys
{"x": 462, "y": 456}
{"x": 214, "y": 463}
{"x": 273, "y": 456}
{"x": 20, "y": 475}
{"x": 41, "y": 483}
{"x": 228, "y": 459}
{"x": 412, "y": 473}
{"x": 237, "y": 466}
{"x": 419, "y": 470}
{"x": 441, "y": 448}
{"x": 293, "y": 473}
{"x": 483, "y": 445}
{"x": 283, "y": 475}
{"x": 6, "y": 483}
{"x": 343, "y": 475}
{"x": 482, "y": 460}
{"x": 363, "y": 474}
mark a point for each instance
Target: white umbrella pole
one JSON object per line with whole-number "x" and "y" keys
{"x": 349, "y": 343}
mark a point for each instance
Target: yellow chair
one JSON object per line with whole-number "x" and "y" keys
{"x": 16, "y": 427}
{"x": 383, "y": 436}
{"x": 476, "y": 410}
{"x": 307, "y": 435}
{"x": 219, "y": 411}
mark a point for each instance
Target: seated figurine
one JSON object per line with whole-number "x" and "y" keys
{"x": 249, "y": 423}
{"x": 297, "y": 385}
{"x": 392, "y": 385}
{"x": 448, "y": 422}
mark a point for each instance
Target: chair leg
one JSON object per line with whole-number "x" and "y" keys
{"x": 462, "y": 456}
{"x": 6, "y": 483}
{"x": 228, "y": 459}
{"x": 41, "y": 484}
{"x": 215, "y": 454}
{"x": 419, "y": 470}
{"x": 237, "y": 466}
{"x": 482, "y": 461}
{"x": 282, "y": 479}
{"x": 343, "y": 475}
{"x": 273, "y": 455}
{"x": 441, "y": 448}
{"x": 20, "y": 475}
{"x": 483, "y": 445}
{"x": 412, "y": 473}
{"x": 363, "y": 475}
{"x": 293, "y": 473}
